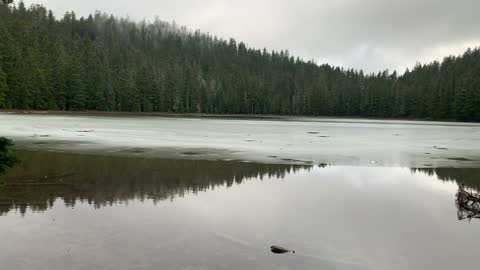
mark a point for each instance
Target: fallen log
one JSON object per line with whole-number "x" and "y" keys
{"x": 468, "y": 204}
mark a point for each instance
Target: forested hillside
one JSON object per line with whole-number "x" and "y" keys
{"x": 106, "y": 63}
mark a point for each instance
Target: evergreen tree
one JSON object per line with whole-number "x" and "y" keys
{"x": 3, "y": 90}
{"x": 105, "y": 63}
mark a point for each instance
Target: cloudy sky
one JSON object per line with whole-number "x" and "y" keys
{"x": 368, "y": 34}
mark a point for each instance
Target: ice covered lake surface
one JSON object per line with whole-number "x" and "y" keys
{"x": 282, "y": 141}
{"x": 95, "y": 192}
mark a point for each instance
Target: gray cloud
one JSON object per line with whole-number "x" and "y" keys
{"x": 367, "y": 34}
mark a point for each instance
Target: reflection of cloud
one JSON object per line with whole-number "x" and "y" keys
{"x": 363, "y": 178}
{"x": 446, "y": 186}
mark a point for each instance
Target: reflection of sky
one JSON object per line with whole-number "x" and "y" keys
{"x": 357, "y": 208}
{"x": 380, "y": 218}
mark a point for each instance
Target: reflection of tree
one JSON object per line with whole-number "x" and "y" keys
{"x": 469, "y": 177}
{"x": 43, "y": 177}
{"x": 468, "y": 204}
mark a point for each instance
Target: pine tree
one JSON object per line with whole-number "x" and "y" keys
{"x": 3, "y": 90}
{"x": 75, "y": 84}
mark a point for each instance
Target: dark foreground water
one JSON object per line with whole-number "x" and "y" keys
{"x": 71, "y": 211}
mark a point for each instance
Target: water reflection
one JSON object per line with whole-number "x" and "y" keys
{"x": 468, "y": 204}
{"x": 469, "y": 177}
{"x": 42, "y": 177}
{"x": 467, "y": 198}
{"x": 334, "y": 217}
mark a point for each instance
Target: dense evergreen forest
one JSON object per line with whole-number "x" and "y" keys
{"x": 114, "y": 64}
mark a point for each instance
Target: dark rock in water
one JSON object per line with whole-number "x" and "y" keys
{"x": 296, "y": 160}
{"x": 191, "y": 153}
{"x": 460, "y": 159}
{"x": 280, "y": 250}
{"x": 39, "y": 143}
{"x": 40, "y": 136}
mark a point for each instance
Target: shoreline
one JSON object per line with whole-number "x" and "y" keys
{"x": 215, "y": 115}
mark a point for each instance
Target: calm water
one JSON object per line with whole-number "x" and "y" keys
{"x": 79, "y": 211}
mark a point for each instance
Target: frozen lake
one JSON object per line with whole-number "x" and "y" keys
{"x": 290, "y": 140}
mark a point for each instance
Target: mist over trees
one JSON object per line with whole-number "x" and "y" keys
{"x": 106, "y": 63}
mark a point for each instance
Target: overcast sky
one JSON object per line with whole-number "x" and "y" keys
{"x": 365, "y": 34}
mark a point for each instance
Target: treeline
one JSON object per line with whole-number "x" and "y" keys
{"x": 113, "y": 64}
